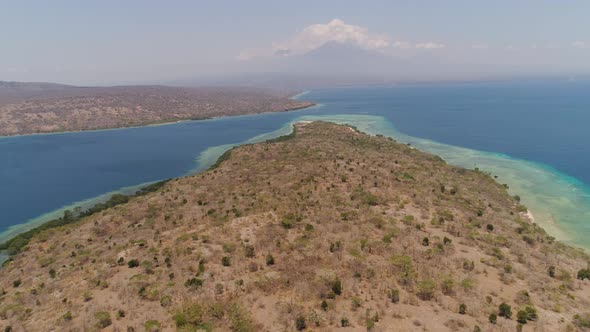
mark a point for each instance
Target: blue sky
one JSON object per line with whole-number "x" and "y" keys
{"x": 115, "y": 42}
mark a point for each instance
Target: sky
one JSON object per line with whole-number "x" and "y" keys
{"x": 120, "y": 42}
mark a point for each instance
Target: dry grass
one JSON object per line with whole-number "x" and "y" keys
{"x": 344, "y": 217}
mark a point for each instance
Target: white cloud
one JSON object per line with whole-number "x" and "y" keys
{"x": 480, "y": 46}
{"x": 315, "y": 35}
{"x": 580, "y": 44}
{"x": 430, "y": 45}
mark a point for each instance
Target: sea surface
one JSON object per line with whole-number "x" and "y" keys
{"x": 532, "y": 135}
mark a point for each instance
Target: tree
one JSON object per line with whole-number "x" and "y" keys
{"x": 337, "y": 286}
{"x": 521, "y": 317}
{"x": 493, "y": 318}
{"x": 300, "y": 323}
{"x": 225, "y": 261}
{"x": 584, "y": 274}
{"x": 462, "y": 309}
{"x": 504, "y": 310}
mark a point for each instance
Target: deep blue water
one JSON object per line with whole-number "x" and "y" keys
{"x": 542, "y": 122}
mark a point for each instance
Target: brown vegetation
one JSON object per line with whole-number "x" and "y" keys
{"x": 324, "y": 230}
{"x": 26, "y": 109}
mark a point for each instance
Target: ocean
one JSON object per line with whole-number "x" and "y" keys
{"x": 532, "y": 135}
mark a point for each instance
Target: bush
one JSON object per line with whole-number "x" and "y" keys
{"x": 344, "y": 322}
{"x": 67, "y": 316}
{"x": 336, "y": 286}
{"x": 521, "y": 317}
{"x": 324, "y": 305}
{"x": 504, "y": 310}
{"x": 103, "y": 319}
{"x": 16, "y": 283}
{"x": 584, "y": 274}
{"x": 249, "y": 251}
{"x": 551, "y": 271}
{"x": 300, "y": 323}
{"x": 225, "y": 261}
{"x": 425, "y": 242}
{"x": 462, "y": 309}
{"x": 493, "y": 318}
{"x": 52, "y": 273}
{"x": 152, "y": 326}
{"x": 133, "y": 263}
{"x": 190, "y": 316}
{"x": 582, "y": 320}
{"x": 426, "y": 289}
{"x": 394, "y": 295}
{"x": 270, "y": 260}
{"x": 193, "y": 283}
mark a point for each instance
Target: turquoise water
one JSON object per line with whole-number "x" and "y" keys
{"x": 42, "y": 174}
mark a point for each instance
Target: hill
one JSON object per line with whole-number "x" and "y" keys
{"x": 325, "y": 229}
{"x": 27, "y": 108}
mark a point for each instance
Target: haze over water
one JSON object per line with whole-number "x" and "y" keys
{"x": 543, "y": 123}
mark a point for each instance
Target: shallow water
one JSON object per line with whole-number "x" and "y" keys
{"x": 42, "y": 173}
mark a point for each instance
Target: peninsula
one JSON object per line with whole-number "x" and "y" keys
{"x": 29, "y": 108}
{"x": 324, "y": 229}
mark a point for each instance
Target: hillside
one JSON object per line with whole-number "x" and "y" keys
{"x": 27, "y": 108}
{"x": 327, "y": 229}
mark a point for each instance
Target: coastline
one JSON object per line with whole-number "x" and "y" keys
{"x": 519, "y": 174}
{"x": 165, "y": 122}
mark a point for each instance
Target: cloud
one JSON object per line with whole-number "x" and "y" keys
{"x": 480, "y": 46}
{"x": 315, "y": 35}
{"x": 430, "y": 46}
{"x": 580, "y": 44}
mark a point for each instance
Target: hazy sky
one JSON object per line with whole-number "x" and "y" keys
{"x": 116, "y": 42}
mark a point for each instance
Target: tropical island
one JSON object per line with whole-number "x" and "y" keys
{"x": 323, "y": 229}
{"x": 30, "y": 108}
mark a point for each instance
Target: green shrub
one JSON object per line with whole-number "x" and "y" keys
{"x": 324, "y": 305}
{"x": 394, "y": 295}
{"x": 344, "y": 322}
{"x": 493, "y": 318}
{"x": 133, "y": 263}
{"x": 16, "y": 283}
{"x": 193, "y": 283}
{"x": 584, "y": 274}
{"x": 490, "y": 227}
{"x": 249, "y": 251}
{"x": 582, "y": 320}
{"x": 103, "y": 319}
{"x": 300, "y": 323}
{"x": 270, "y": 260}
{"x": 425, "y": 289}
{"x": 225, "y": 261}
{"x": 152, "y": 326}
{"x": 521, "y": 317}
{"x": 52, "y": 273}
{"x": 551, "y": 271}
{"x": 462, "y": 309}
{"x": 67, "y": 316}
{"x": 504, "y": 310}
{"x": 336, "y": 286}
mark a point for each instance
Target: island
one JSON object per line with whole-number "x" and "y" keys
{"x": 325, "y": 229}
{"x": 29, "y": 108}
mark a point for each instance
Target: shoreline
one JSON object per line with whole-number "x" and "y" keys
{"x": 374, "y": 125}
{"x": 164, "y": 122}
